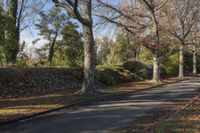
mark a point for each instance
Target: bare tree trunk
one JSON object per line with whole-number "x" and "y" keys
{"x": 51, "y": 50}
{"x": 85, "y": 18}
{"x": 156, "y": 69}
{"x": 194, "y": 64}
{"x": 89, "y": 62}
{"x": 88, "y": 85}
{"x": 156, "y": 55}
{"x": 181, "y": 61}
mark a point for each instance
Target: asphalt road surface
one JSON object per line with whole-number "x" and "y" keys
{"x": 104, "y": 116}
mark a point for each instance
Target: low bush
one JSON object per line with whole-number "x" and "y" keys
{"x": 171, "y": 64}
{"x": 139, "y": 68}
{"x": 22, "y": 64}
{"x": 114, "y": 75}
{"x": 163, "y": 71}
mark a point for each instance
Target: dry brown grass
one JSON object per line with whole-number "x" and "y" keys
{"x": 15, "y": 107}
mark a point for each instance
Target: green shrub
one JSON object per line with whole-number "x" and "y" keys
{"x": 198, "y": 63}
{"x": 22, "y": 64}
{"x": 146, "y": 57}
{"x": 140, "y": 69}
{"x": 105, "y": 77}
{"x": 171, "y": 64}
{"x": 114, "y": 75}
{"x": 163, "y": 71}
{"x": 188, "y": 61}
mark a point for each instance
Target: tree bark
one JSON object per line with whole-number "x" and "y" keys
{"x": 194, "y": 64}
{"x": 89, "y": 61}
{"x": 85, "y": 18}
{"x": 156, "y": 55}
{"x": 88, "y": 85}
{"x": 156, "y": 69}
{"x": 181, "y": 61}
{"x": 51, "y": 50}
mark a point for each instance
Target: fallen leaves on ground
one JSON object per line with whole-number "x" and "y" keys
{"x": 188, "y": 120}
{"x": 11, "y": 108}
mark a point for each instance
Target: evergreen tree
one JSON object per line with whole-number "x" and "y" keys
{"x": 50, "y": 26}
{"x": 84, "y": 16}
{"x": 72, "y": 45}
{"x": 2, "y": 32}
{"x": 103, "y": 50}
{"x": 123, "y": 50}
{"x": 12, "y": 44}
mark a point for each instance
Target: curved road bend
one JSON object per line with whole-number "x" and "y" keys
{"x": 105, "y": 115}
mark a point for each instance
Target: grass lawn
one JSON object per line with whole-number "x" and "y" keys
{"x": 11, "y": 108}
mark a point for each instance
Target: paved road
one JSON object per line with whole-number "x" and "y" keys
{"x": 105, "y": 115}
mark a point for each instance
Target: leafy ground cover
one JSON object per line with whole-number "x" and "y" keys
{"x": 187, "y": 121}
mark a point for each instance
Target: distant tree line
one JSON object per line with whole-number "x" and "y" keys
{"x": 151, "y": 31}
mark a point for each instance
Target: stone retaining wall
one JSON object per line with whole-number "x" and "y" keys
{"x": 17, "y": 81}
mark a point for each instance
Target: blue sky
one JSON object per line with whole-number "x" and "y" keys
{"x": 31, "y": 34}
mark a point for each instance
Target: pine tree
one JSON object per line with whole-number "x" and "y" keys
{"x": 2, "y": 32}
{"x": 50, "y": 26}
{"x": 12, "y": 44}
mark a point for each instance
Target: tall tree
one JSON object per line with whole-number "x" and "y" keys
{"x": 124, "y": 48}
{"x": 181, "y": 17}
{"x": 82, "y": 11}
{"x": 193, "y": 42}
{"x": 12, "y": 46}
{"x": 153, "y": 7}
{"x": 2, "y": 32}
{"x": 70, "y": 48}
{"x": 19, "y": 17}
{"x": 2, "y": 25}
{"x": 139, "y": 18}
{"x": 50, "y": 26}
{"x": 103, "y": 49}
